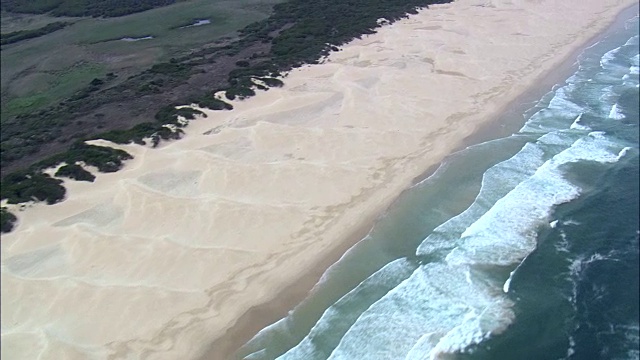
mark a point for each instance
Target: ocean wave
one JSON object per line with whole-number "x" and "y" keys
{"x": 577, "y": 126}
{"x": 256, "y": 347}
{"x": 615, "y": 113}
{"x": 558, "y": 114}
{"x": 456, "y": 298}
{"x": 435, "y": 311}
{"x": 506, "y": 233}
{"x": 447, "y": 305}
{"x": 339, "y": 317}
{"x": 496, "y": 182}
{"x": 609, "y": 57}
{"x": 632, "y": 41}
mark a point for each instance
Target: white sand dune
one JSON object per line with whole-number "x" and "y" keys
{"x": 161, "y": 258}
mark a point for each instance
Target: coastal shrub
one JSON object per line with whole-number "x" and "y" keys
{"x": 240, "y": 92}
{"x": 135, "y": 134}
{"x": 238, "y": 75}
{"x": 106, "y": 159}
{"x": 16, "y": 36}
{"x": 169, "y": 114}
{"x": 188, "y": 113}
{"x": 96, "y": 82}
{"x": 31, "y": 186}
{"x": 210, "y": 102}
{"x": 166, "y": 115}
{"x": 172, "y": 69}
{"x": 165, "y": 133}
{"x": 300, "y": 32}
{"x": 76, "y": 172}
{"x": 7, "y": 220}
{"x": 272, "y": 82}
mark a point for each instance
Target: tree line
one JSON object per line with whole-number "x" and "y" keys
{"x": 16, "y": 36}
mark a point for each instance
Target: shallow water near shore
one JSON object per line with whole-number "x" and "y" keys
{"x": 521, "y": 247}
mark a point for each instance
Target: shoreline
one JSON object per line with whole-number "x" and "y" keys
{"x": 185, "y": 239}
{"x": 262, "y": 315}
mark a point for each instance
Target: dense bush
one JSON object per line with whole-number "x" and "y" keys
{"x": 106, "y": 159}
{"x": 75, "y": 172}
{"x": 212, "y": 103}
{"x": 7, "y": 220}
{"x": 169, "y": 114}
{"x": 16, "y": 36}
{"x": 239, "y": 91}
{"x": 272, "y": 82}
{"x": 179, "y": 70}
{"x": 31, "y": 186}
{"x": 135, "y": 134}
{"x": 300, "y": 32}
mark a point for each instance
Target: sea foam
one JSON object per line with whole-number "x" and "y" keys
{"x": 435, "y": 311}
{"x": 615, "y": 113}
{"x": 339, "y": 317}
{"x": 446, "y": 306}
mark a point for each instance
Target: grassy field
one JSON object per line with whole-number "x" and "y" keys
{"x": 43, "y": 71}
{"x": 14, "y": 22}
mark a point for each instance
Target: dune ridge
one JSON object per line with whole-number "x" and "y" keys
{"x": 159, "y": 259}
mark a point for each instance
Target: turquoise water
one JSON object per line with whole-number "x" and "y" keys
{"x": 524, "y": 247}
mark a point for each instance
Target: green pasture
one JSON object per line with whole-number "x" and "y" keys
{"x": 45, "y": 70}
{"x": 51, "y": 87}
{"x": 10, "y": 22}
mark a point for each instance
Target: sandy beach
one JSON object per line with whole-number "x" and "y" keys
{"x": 162, "y": 258}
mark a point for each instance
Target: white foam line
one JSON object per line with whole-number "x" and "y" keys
{"x": 505, "y": 287}
{"x": 577, "y": 126}
{"x": 615, "y": 113}
{"x": 624, "y": 152}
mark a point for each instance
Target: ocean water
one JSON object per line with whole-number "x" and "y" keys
{"x": 523, "y": 247}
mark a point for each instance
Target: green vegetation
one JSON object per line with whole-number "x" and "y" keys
{"x": 7, "y": 220}
{"x": 104, "y": 158}
{"x": 47, "y": 95}
{"x": 54, "y": 87}
{"x": 33, "y": 184}
{"x": 212, "y": 103}
{"x": 105, "y": 8}
{"x": 298, "y": 32}
{"x": 23, "y": 186}
{"x": 14, "y": 37}
{"x": 76, "y": 172}
{"x": 168, "y": 115}
{"x": 272, "y": 82}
